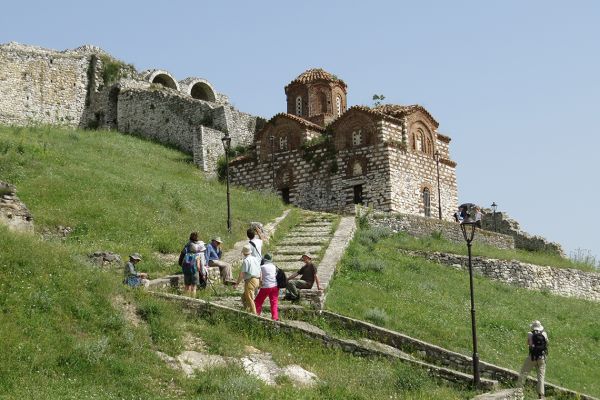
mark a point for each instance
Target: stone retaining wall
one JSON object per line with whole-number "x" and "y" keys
{"x": 13, "y": 213}
{"x": 438, "y": 355}
{"x": 356, "y": 348}
{"x": 420, "y": 226}
{"x": 566, "y": 282}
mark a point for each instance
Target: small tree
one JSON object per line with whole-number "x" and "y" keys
{"x": 377, "y": 99}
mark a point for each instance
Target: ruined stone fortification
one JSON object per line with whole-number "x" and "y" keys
{"x": 13, "y": 213}
{"x": 88, "y": 88}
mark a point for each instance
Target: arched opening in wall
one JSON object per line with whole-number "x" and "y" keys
{"x": 285, "y": 195}
{"x": 322, "y": 102}
{"x": 165, "y": 80}
{"x": 202, "y": 91}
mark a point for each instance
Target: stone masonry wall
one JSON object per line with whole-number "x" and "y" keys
{"x": 42, "y": 86}
{"x": 13, "y": 213}
{"x": 421, "y": 226}
{"x": 566, "y": 282}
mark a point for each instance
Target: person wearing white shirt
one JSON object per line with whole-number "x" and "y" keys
{"x": 268, "y": 278}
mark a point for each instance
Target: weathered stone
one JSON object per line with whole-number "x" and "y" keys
{"x": 13, "y": 213}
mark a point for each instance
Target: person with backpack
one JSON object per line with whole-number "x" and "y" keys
{"x": 193, "y": 267}
{"x": 537, "y": 342}
{"x": 255, "y": 243}
{"x": 186, "y": 248}
{"x": 269, "y": 287}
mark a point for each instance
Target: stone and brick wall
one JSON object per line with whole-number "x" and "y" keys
{"x": 13, "y": 213}
{"x": 566, "y": 282}
{"x": 420, "y": 226}
{"x": 42, "y": 86}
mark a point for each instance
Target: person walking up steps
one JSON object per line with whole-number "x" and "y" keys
{"x": 537, "y": 342}
{"x": 250, "y": 273}
{"x": 268, "y": 279}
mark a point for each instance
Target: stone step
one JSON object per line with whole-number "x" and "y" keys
{"x": 314, "y": 231}
{"x": 290, "y": 258}
{"x": 298, "y": 250}
{"x": 290, "y": 266}
{"x": 306, "y": 234}
{"x": 314, "y": 224}
{"x": 303, "y": 240}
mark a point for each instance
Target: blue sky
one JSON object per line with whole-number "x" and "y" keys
{"x": 514, "y": 83}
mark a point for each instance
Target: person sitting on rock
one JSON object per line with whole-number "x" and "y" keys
{"x": 213, "y": 258}
{"x": 268, "y": 287}
{"x": 308, "y": 276}
{"x": 132, "y": 277}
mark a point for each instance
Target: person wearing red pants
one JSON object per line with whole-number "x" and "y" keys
{"x": 268, "y": 287}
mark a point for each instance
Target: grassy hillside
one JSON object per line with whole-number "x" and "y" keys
{"x": 70, "y": 337}
{"x": 431, "y": 302}
{"x": 121, "y": 194}
{"x": 70, "y": 330}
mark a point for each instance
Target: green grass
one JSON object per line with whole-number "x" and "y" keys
{"x": 436, "y": 243}
{"x": 122, "y": 194}
{"x": 69, "y": 340}
{"x": 431, "y": 302}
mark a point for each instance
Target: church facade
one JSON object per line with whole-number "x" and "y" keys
{"x": 322, "y": 155}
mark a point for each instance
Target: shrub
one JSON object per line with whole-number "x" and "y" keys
{"x": 377, "y": 316}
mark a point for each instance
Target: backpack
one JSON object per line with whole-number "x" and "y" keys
{"x": 189, "y": 264}
{"x": 280, "y": 277}
{"x": 539, "y": 347}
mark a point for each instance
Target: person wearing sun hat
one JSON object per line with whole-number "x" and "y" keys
{"x": 308, "y": 276}
{"x": 213, "y": 258}
{"x": 250, "y": 273}
{"x": 537, "y": 342}
{"x": 132, "y": 277}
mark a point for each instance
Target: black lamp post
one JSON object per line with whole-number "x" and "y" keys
{"x": 272, "y": 139}
{"x": 437, "y": 165}
{"x": 227, "y": 146}
{"x": 494, "y": 207}
{"x": 468, "y": 230}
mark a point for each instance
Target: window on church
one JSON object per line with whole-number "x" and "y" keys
{"x": 357, "y": 169}
{"x": 338, "y": 105}
{"x": 427, "y": 202}
{"x": 419, "y": 140}
{"x": 299, "y": 106}
{"x": 283, "y": 143}
{"x": 357, "y": 137}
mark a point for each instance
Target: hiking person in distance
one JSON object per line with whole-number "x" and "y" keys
{"x": 194, "y": 267}
{"x": 186, "y": 248}
{"x": 213, "y": 259}
{"x": 255, "y": 242}
{"x": 250, "y": 274}
{"x": 132, "y": 277}
{"x": 268, "y": 287}
{"x": 537, "y": 342}
{"x": 308, "y": 276}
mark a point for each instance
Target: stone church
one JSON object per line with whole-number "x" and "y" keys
{"x": 322, "y": 155}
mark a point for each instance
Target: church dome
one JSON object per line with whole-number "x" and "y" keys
{"x": 316, "y": 74}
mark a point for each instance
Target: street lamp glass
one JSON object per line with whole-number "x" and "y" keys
{"x": 468, "y": 230}
{"x": 226, "y": 142}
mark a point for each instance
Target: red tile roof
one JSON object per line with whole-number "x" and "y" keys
{"x": 399, "y": 111}
{"x": 316, "y": 74}
{"x": 298, "y": 119}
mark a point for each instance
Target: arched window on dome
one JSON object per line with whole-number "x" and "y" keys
{"x": 283, "y": 143}
{"x": 299, "y": 106}
{"x": 338, "y": 105}
{"x": 357, "y": 138}
{"x": 323, "y": 102}
{"x": 426, "y": 202}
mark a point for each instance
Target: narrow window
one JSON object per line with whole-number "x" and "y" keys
{"x": 426, "y": 202}
{"x": 357, "y": 137}
{"x": 299, "y": 106}
{"x": 338, "y": 105}
{"x": 283, "y": 143}
{"x": 358, "y": 194}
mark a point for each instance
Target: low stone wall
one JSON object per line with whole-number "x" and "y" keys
{"x": 205, "y": 308}
{"x": 507, "y": 394}
{"x": 438, "y": 355}
{"x": 421, "y": 226}
{"x": 566, "y": 282}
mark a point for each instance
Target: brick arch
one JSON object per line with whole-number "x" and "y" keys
{"x": 279, "y": 129}
{"x": 284, "y": 177}
{"x": 356, "y": 164}
{"x": 351, "y": 122}
{"x": 421, "y": 139}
